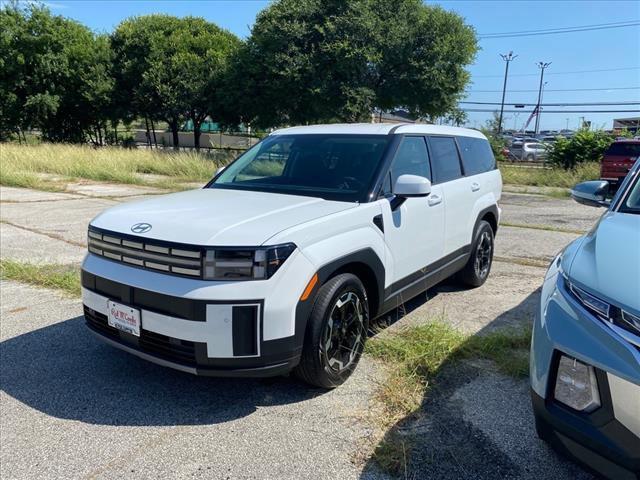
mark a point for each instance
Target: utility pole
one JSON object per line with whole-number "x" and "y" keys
{"x": 507, "y": 58}
{"x": 541, "y": 66}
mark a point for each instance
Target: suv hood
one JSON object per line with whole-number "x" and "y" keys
{"x": 217, "y": 217}
{"x": 607, "y": 262}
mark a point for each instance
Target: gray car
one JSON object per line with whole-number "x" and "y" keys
{"x": 585, "y": 352}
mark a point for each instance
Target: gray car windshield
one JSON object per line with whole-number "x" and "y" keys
{"x": 631, "y": 204}
{"x": 334, "y": 167}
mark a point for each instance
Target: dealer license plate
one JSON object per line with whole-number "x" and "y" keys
{"x": 124, "y": 318}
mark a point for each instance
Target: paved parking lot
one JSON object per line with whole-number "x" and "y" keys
{"x": 72, "y": 407}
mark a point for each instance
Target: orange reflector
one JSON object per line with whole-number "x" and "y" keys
{"x": 309, "y": 289}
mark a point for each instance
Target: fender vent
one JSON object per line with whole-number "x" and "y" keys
{"x": 378, "y": 222}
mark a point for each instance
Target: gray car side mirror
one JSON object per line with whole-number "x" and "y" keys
{"x": 593, "y": 193}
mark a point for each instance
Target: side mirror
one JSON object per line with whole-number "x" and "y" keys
{"x": 408, "y": 186}
{"x": 219, "y": 171}
{"x": 592, "y": 193}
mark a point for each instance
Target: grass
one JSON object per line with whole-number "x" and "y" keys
{"x": 553, "y": 192}
{"x": 60, "y": 277}
{"x": 24, "y": 166}
{"x": 549, "y": 177}
{"x": 415, "y": 357}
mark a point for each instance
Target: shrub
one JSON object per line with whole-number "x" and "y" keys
{"x": 585, "y": 146}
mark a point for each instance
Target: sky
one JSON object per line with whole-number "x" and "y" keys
{"x": 605, "y": 60}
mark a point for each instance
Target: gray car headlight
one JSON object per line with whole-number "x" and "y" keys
{"x": 245, "y": 263}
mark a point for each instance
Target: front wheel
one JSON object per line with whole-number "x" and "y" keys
{"x": 336, "y": 332}
{"x": 477, "y": 269}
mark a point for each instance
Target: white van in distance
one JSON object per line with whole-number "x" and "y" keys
{"x": 280, "y": 262}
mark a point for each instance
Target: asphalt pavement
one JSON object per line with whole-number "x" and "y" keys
{"x": 72, "y": 407}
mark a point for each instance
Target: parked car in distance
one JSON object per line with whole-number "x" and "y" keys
{"x": 585, "y": 350}
{"x": 528, "y": 150}
{"x": 281, "y": 261}
{"x": 618, "y": 160}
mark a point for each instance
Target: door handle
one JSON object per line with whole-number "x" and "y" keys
{"x": 434, "y": 200}
{"x": 475, "y": 187}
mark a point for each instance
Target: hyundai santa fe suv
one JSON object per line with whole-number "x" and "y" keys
{"x": 282, "y": 260}
{"x": 585, "y": 352}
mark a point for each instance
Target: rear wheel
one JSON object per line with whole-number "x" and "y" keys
{"x": 477, "y": 269}
{"x": 336, "y": 332}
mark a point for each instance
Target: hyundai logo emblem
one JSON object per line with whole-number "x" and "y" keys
{"x": 141, "y": 228}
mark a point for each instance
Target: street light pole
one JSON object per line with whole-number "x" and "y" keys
{"x": 541, "y": 66}
{"x": 507, "y": 58}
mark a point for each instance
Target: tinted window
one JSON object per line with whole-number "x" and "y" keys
{"x": 626, "y": 149}
{"x": 444, "y": 159}
{"x": 477, "y": 156}
{"x": 412, "y": 158}
{"x": 335, "y": 167}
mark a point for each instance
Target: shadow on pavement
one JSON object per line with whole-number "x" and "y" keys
{"x": 474, "y": 422}
{"x": 63, "y": 371}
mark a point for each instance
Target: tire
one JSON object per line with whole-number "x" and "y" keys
{"x": 530, "y": 158}
{"x": 477, "y": 269}
{"x": 325, "y": 361}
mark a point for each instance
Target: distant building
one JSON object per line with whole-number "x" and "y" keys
{"x": 631, "y": 124}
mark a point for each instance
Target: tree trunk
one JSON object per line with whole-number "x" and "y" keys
{"x": 174, "y": 133}
{"x": 146, "y": 122}
{"x": 196, "y": 135}
{"x": 153, "y": 129}
{"x": 100, "y": 135}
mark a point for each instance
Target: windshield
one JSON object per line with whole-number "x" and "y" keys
{"x": 334, "y": 167}
{"x": 631, "y": 204}
{"x": 627, "y": 149}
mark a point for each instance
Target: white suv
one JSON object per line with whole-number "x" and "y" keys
{"x": 280, "y": 262}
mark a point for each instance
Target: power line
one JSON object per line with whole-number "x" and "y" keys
{"x": 554, "y": 31}
{"x": 486, "y": 110}
{"x": 558, "y": 28}
{"x": 559, "y": 90}
{"x": 561, "y": 73}
{"x": 564, "y": 104}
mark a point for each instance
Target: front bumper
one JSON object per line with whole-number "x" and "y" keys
{"x": 204, "y": 328}
{"x": 607, "y": 440}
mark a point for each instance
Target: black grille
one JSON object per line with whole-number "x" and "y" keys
{"x": 176, "y": 259}
{"x": 169, "y": 348}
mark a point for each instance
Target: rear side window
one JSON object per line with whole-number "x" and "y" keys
{"x": 626, "y": 149}
{"x": 477, "y": 156}
{"x": 444, "y": 159}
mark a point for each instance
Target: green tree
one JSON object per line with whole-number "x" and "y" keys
{"x": 171, "y": 69}
{"x": 456, "y": 117}
{"x": 55, "y": 75}
{"x": 311, "y": 60}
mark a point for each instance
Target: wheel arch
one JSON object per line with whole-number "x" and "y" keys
{"x": 365, "y": 264}
{"x": 490, "y": 215}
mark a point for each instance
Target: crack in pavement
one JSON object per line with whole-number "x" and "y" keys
{"x": 546, "y": 228}
{"x": 527, "y": 262}
{"x": 54, "y": 236}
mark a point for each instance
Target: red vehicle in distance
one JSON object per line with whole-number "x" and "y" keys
{"x": 618, "y": 160}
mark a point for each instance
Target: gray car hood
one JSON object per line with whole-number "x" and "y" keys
{"x": 607, "y": 261}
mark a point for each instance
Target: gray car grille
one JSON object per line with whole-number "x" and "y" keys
{"x": 178, "y": 260}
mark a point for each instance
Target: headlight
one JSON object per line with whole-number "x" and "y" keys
{"x": 245, "y": 264}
